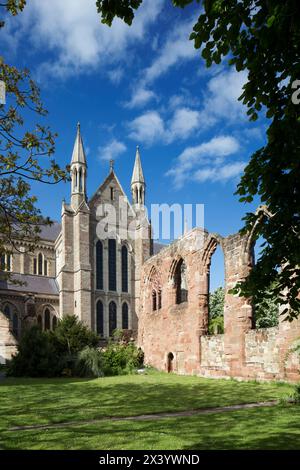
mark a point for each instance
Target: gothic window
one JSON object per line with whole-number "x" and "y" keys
{"x": 125, "y": 320}
{"x": 45, "y": 268}
{"x": 47, "y": 319}
{"x": 40, "y": 264}
{"x": 154, "y": 300}
{"x": 15, "y": 325}
{"x": 112, "y": 268}
{"x": 159, "y": 304}
{"x": 112, "y": 317}
{"x": 40, "y": 321}
{"x": 6, "y": 262}
{"x": 54, "y": 322}
{"x": 99, "y": 319}
{"x": 111, "y": 194}
{"x": 35, "y": 266}
{"x": 7, "y": 311}
{"x": 124, "y": 269}
{"x": 99, "y": 265}
{"x": 76, "y": 179}
{"x": 181, "y": 282}
{"x": 80, "y": 180}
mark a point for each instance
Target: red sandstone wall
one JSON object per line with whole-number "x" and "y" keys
{"x": 182, "y": 329}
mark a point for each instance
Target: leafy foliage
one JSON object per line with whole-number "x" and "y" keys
{"x": 36, "y": 357}
{"x": 121, "y": 356}
{"x": 71, "y": 336}
{"x": 25, "y": 154}
{"x": 89, "y": 363}
{"x": 265, "y": 311}
{"x": 262, "y": 37}
{"x": 71, "y": 350}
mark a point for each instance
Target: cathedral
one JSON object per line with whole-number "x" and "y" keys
{"x": 88, "y": 265}
{"x": 100, "y": 264}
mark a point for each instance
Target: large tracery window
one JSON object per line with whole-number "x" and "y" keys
{"x": 99, "y": 319}
{"x": 125, "y": 318}
{"x": 112, "y": 320}
{"x": 124, "y": 269}
{"x": 112, "y": 264}
{"x": 99, "y": 265}
{"x": 181, "y": 282}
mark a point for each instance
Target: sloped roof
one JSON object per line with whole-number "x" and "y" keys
{"x": 50, "y": 232}
{"x": 34, "y": 284}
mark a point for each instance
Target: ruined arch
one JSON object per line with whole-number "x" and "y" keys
{"x": 154, "y": 286}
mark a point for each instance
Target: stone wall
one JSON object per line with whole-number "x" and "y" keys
{"x": 180, "y": 331}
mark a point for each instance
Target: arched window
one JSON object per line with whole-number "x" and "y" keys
{"x": 54, "y": 322}
{"x": 99, "y": 319}
{"x": 99, "y": 265}
{"x": 40, "y": 321}
{"x": 80, "y": 180}
{"x": 7, "y": 311}
{"x": 15, "y": 325}
{"x": 125, "y": 319}
{"x": 112, "y": 317}
{"x": 154, "y": 300}
{"x": 35, "y": 266}
{"x": 6, "y": 262}
{"x": 3, "y": 264}
{"x": 112, "y": 262}
{"x": 159, "y": 300}
{"x": 47, "y": 319}
{"x": 45, "y": 267}
{"x": 124, "y": 269}
{"x": 40, "y": 264}
{"x": 76, "y": 180}
{"x": 181, "y": 283}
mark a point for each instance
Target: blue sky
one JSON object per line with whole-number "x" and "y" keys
{"x": 142, "y": 85}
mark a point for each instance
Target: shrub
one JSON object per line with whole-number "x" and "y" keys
{"x": 120, "y": 358}
{"x": 89, "y": 363}
{"x": 296, "y": 394}
{"x": 71, "y": 335}
{"x": 36, "y": 357}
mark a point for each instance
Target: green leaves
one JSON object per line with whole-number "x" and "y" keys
{"x": 123, "y": 9}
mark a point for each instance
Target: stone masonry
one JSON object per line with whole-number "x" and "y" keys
{"x": 175, "y": 336}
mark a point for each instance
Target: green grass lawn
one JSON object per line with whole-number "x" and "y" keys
{"x": 46, "y": 401}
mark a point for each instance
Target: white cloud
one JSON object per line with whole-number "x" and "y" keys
{"x": 150, "y": 127}
{"x": 147, "y": 128}
{"x": 221, "y": 99}
{"x": 112, "y": 150}
{"x": 220, "y": 173}
{"x": 72, "y": 31}
{"x": 176, "y": 50}
{"x": 140, "y": 97}
{"x": 116, "y": 75}
{"x": 207, "y": 161}
{"x": 183, "y": 123}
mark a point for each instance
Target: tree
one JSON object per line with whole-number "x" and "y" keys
{"x": 25, "y": 154}
{"x": 261, "y": 37}
{"x": 216, "y": 303}
{"x": 71, "y": 335}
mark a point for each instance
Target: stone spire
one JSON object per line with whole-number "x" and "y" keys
{"x": 78, "y": 172}
{"x": 78, "y": 155}
{"x": 137, "y": 175}
{"x": 138, "y": 185}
